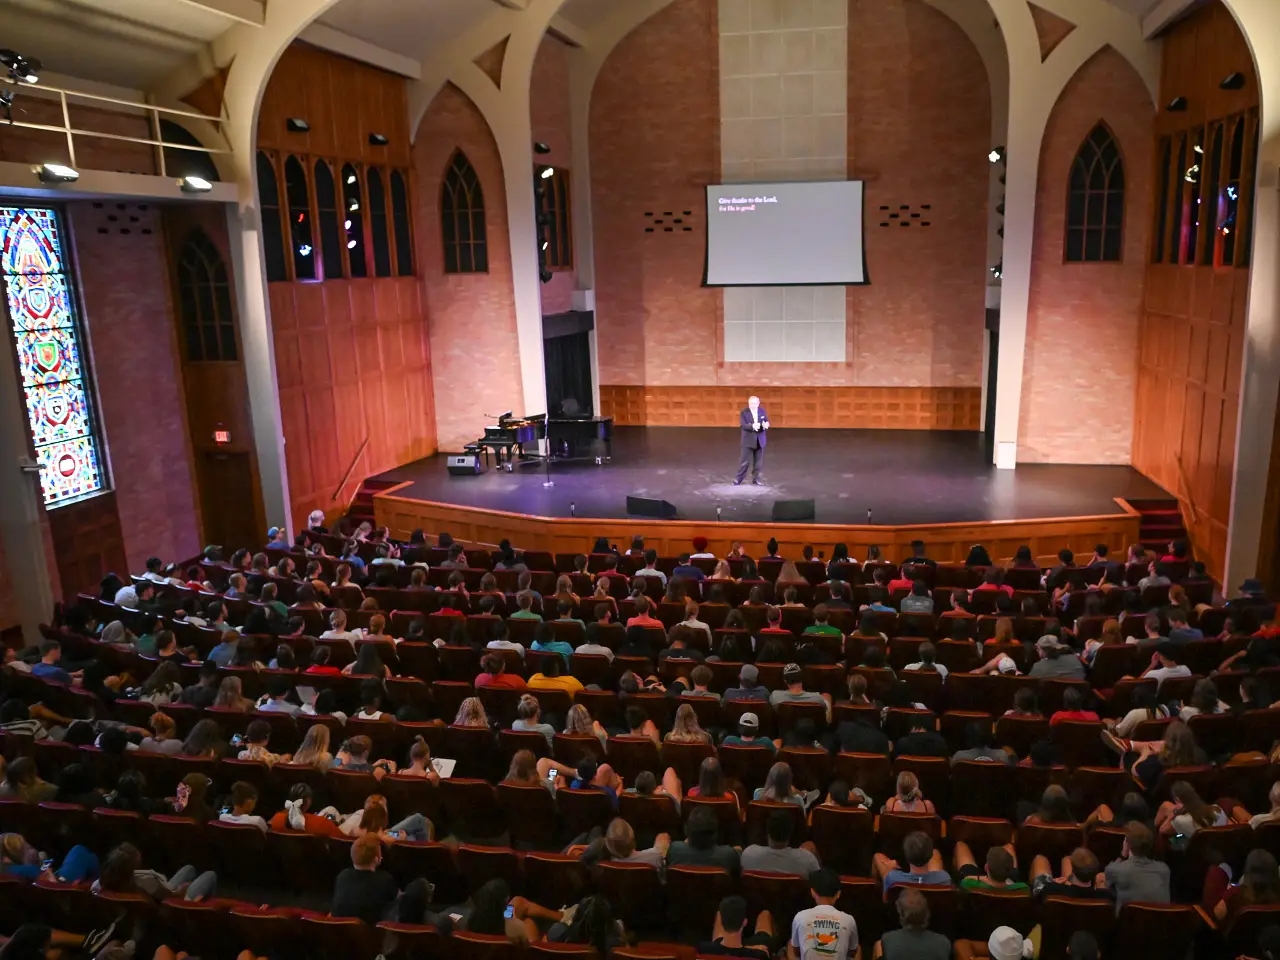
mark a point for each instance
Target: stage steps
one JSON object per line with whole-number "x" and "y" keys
{"x": 362, "y": 504}
{"x": 1161, "y": 522}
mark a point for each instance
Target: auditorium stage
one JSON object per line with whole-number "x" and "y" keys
{"x": 902, "y": 476}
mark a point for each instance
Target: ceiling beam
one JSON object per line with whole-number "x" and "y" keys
{"x": 1165, "y": 13}
{"x": 340, "y": 42}
{"x": 568, "y": 31}
{"x": 251, "y": 12}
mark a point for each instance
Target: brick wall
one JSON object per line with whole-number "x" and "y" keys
{"x": 914, "y": 79}
{"x": 1080, "y": 373}
{"x": 124, "y": 277}
{"x": 550, "y": 112}
{"x": 471, "y": 316}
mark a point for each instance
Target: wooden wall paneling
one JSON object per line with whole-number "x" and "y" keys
{"x": 947, "y": 541}
{"x": 88, "y": 543}
{"x": 901, "y": 408}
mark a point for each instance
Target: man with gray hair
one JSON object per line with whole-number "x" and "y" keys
{"x": 754, "y": 424}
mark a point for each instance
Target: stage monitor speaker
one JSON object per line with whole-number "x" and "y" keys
{"x": 463, "y": 464}
{"x": 648, "y": 507}
{"x": 793, "y": 510}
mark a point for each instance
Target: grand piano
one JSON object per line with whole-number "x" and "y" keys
{"x": 568, "y": 438}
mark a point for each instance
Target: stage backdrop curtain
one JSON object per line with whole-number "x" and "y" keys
{"x": 568, "y": 369}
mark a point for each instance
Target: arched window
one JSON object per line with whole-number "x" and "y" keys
{"x": 353, "y": 222}
{"x": 1194, "y": 178}
{"x": 1095, "y": 207}
{"x": 272, "y": 232}
{"x": 327, "y": 217}
{"x": 378, "y": 224}
{"x": 1231, "y": 211}
{"x": 1176, "y": 181}
{"x": 204, "y": 299}
{"x": 185, "y": 163}
{"x": 462, "y": 218}
{"x": 296, "y": 192}
{"x": 1162, "y": 208}
{"x": 401, "y": 225}
{"x": 1212, "y": 195}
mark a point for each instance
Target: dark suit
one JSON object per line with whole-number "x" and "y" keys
{"x": 752, "y": 443}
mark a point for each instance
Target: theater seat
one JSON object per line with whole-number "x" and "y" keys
{"x": 339, "y": 939}
{"x": 634, "y": 890}
{"x": 553, "y": 879}
{"x": 478, "y": 865}
{"x": 1157, "y": 931}
{"x": 530, "y": 814}
{"x": 693, "y": 897}
{"x": 844, "y": 838}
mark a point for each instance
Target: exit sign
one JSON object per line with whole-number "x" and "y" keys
{"x": 221, "y": 436}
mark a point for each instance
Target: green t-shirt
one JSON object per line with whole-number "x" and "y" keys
{"x": 977, "y": 883}
{"x": 823, "y": 630}
{"x": 147, "y": 645}
{"x": 526, "y": 615}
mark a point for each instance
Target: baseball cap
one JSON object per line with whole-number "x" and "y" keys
{"x": 1251, "y": 585}
{"x": 271, "y": 534}
{"x": 748, "y": 675}
{"x": 1006, "y": 665}
{"x": 1006, "y": 943}
{"x": 791, "y": 670}
{"x": 749, "y": 720}
{"x": 1048, "y": 642}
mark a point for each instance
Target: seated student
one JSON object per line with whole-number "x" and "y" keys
{"x": 749, "y": 735}
{"x": 244, "y": 797}
{"x": 924, "y": 864}
{"x": 778, "y": 856}
{"x": 1072, "y": 708}
{"x": 277, "y": 698}
{"x": 685, "y": 727}
{"x": 1136, "y": 877}
{"x": 793, "y": 677}
{"x": 1204, "y": 701}
{"x": 618, "y": 845}
{"x": 779, "y": 788}
{"x": 913, "y": 940}
{"x": 697, "y": 685}
{"x": 729, "y": 937}
{"x": 544, "y": 641}
{"x": 163, "y": 737}
{"x": 821, "y": 626}
{"x": 822, "y": 932}
{"x": 1179, "y": 818}
{"x": 525, "y": 602}
{"x": 638, "y": 724}
{"x": 122, "y": 872}
{"x": 203, "y": 693}
{"x": 1000, "y": 872}
{"x": 840, "y": 794}
{"x": 353, "y": 755}
{"x": 680, "y": 649}
{"x": 372, "y": 895}
{"x": 375, "y": 820}
{"x": 257, "y": 736}
{"x": 922, "y": 741}
{"x": 700, "y": 848}
{"x": 554, "y": 675}
{"x": 296, "y": 815}
{"x": 494, "y": 674}
{"x": 749, "y": 686}
{"x": 528, "y": 715}
{"x": 980, "y": 745}
{"x": 907, "y": 797}
{"x": 1079, "y": 877}
{"x": 590, "y": 775}
{"x": 918, "y": 600}
{"x": 501, "y": 639}
{"x": 928, "y": 661}
{"x": 1259, "y": 886}
{"x": 711, "y": 784}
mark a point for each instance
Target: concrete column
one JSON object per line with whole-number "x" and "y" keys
{"x": 20, "y": 512}
{"x": 582, "y": 78}
{"x": 1259, "y": 20}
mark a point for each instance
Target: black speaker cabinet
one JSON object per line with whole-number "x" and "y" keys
{"x": 648, "y": 507}
{"x": 463, "y": 464}
{"x": 793, "y": 510}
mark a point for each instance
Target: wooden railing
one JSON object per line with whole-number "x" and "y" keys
{"x": 346, "y": 477}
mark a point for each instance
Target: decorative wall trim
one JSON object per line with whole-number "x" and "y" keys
{"x": 883, "y": 408}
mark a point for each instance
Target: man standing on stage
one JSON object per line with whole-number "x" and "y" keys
{"x": 755, "y": 424}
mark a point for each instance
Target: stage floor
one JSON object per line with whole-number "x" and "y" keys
{"x": 901, "y": 476}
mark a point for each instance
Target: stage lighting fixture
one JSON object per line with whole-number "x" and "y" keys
{"x": 297, "y": 125}
{"x": 20, "y": 69}
{"x": 547, "y": 173}
{"x": 1177, "y": 105}
{"x": 996, "y": 154}
{"x": 998, "y": 270}
{"x": 378, "y": 139}
{"x": 57, "y": 173}
{"x": 540, "y": 147}
{"x": 1232, "y": 81}
{"x": 545, "y": 275}
{"x": 305, "y": 250}
{"x": 195, "y": 185}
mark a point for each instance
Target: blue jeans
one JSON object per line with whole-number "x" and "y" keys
{"x": 414, "y": 827}
{"x": 199, "y": 888}
{"x": 79, "y": 864}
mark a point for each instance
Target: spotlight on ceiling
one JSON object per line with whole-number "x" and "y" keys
{"x": 540, "y": 147}
{"x": 297, "y": 125}
{"x": 20, "y": 69}
{"x": 378, "y": 139}
{"x": 996, "y": 154}
{"x": 545, "y": 244}
{"x": 195, "y": 185}
{"x": 1232, "y": 81}
{"x": 57, "y": 173}
{"x": 998, "y": 270}
{"x": 1177, "y": 105}
{"x": 546, "y": 173}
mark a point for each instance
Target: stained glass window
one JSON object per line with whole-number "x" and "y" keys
{"x": 42, "y": 315}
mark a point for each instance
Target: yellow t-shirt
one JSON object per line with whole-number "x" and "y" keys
{"x": 566, "y": 684}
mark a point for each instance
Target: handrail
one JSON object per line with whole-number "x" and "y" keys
{"x": 1185, "y": 484}
{"x": 152, "y": 112}
{"x": 347, "y": 476}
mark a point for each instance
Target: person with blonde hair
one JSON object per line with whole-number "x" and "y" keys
{"x": 230, "y": 696}
{"x": 314, "y": 751}
{"x": 524, "y": 772}
{"x": 722, "y": 571}
{"x": 578, "y": 722}
{"x": 907, "y": 797}
{"x": 685, "y": 728}
{"x": 471, "y": 714}
{"x": 420, "y": 762}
